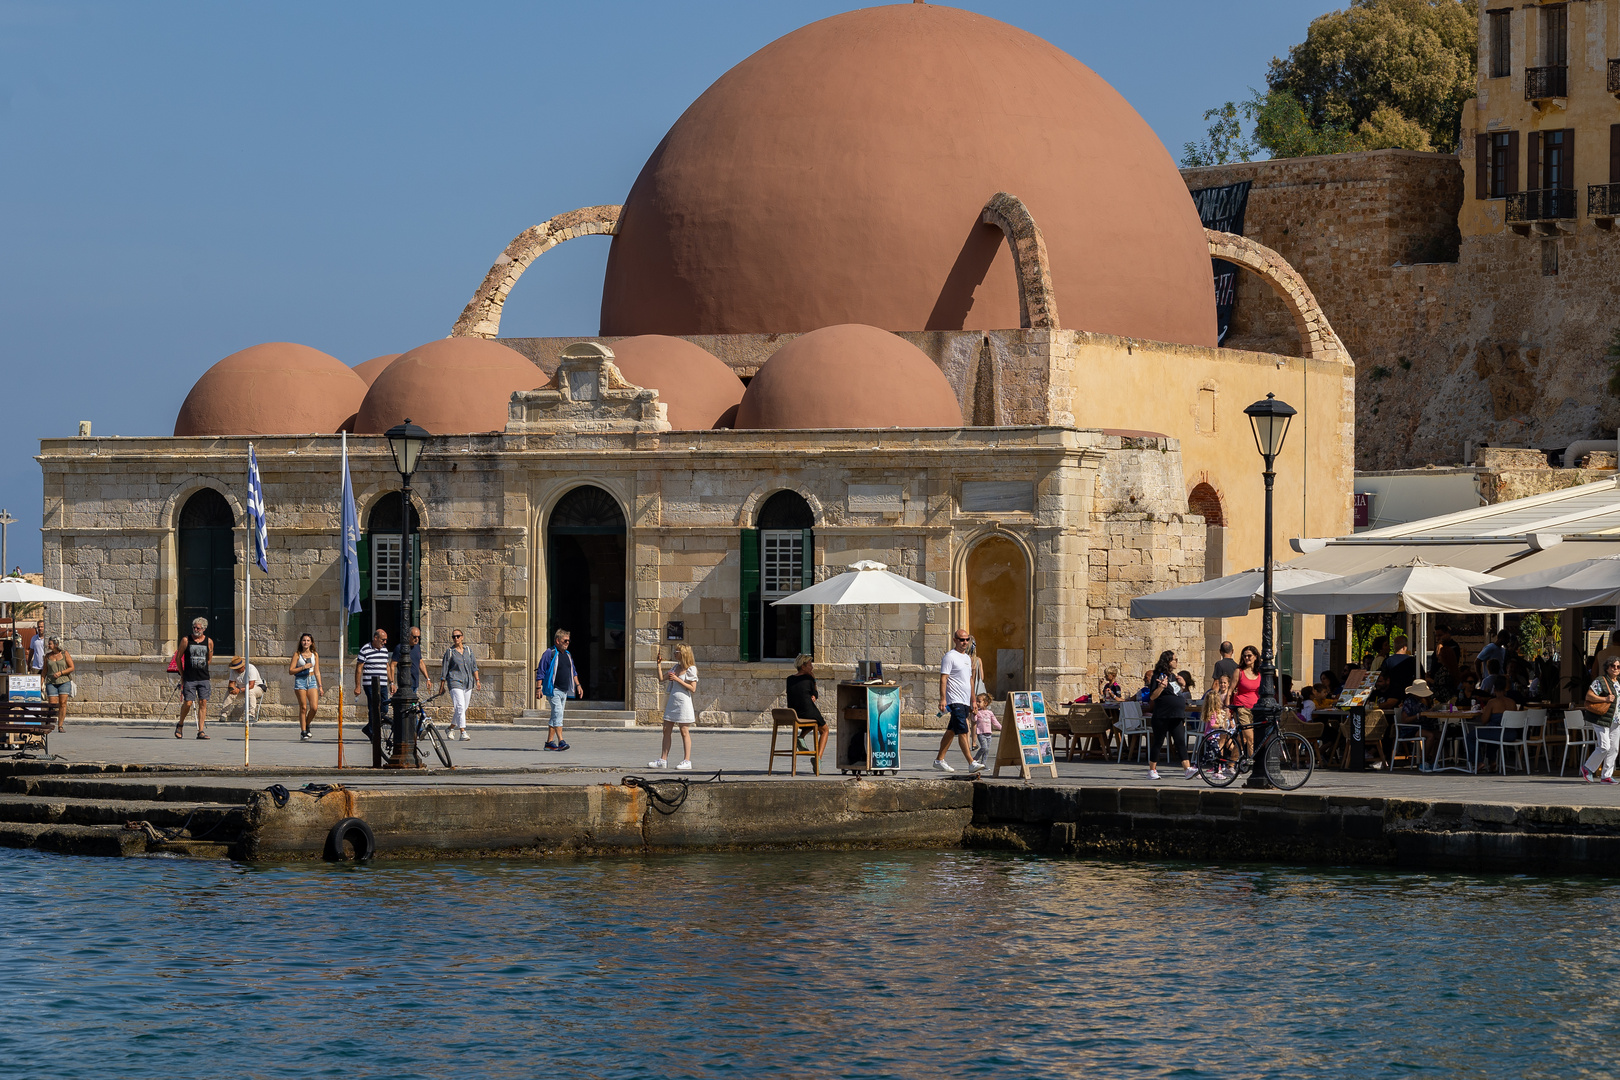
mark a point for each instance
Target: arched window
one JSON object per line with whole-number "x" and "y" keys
{"x": 585, "y": 573}
{"x": 1204, "y": 500}
{"x": 382, "y": 581}
{"x": 207, "y": 557}
{"x": 778, "y": 558}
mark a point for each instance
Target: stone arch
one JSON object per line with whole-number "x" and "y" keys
{"x": 1204, "y": 500}
{"x": 1037, "y": 300}
{"x": 748, "y": 510}
{"x": 1316, "y": 335}
{"x": 482, "y": 315}
{"x": 994, "y": 572}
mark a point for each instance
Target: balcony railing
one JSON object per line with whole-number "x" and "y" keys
{"x": 1547, "y": 204}
{"x": 1614, "y": 76}
{"x": 1603, "y": 200}
{"x": 1541, "y": 83}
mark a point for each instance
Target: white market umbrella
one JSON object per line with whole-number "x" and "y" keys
{"x": 867, "y": 584}
{"x": 1416, "y": 588}
{"x": 1588, "y": 583}
{"x": 19, "y": 591}
{"x": 1228, "y": 597}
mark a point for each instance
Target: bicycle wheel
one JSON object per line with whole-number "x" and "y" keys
{"x": 1217, "y": 768}
{"x": 1289, "y": 760}
{"x": 432, "y": 735}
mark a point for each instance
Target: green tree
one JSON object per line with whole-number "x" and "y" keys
{"x": 1394, "y": 72}
{"x": 1225, "y": 141}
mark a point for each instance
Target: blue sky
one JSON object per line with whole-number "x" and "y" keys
{"x": 182, "y": 180}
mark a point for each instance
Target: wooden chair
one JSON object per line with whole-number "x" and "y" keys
{"x": 1088, "y": 731}
{"x": 1374, "y": 727}
{"x": 1310, "y": 732}
{"x": 796, "y": 725}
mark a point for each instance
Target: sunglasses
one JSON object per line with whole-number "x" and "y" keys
{"x": 455, "y": 635}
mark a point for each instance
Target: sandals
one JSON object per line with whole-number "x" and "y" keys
{"x": 180, "y": 730}
{"x": 202, "y": 734}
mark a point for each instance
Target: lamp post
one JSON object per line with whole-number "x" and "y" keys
{"x": 405, "y": 441}
{"x": 1270, "y": 419}
{"x": 6, "y": 520}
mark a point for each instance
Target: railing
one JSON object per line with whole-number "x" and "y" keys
{"x": 1614, "y": 76}
{"x": 1547, "y": 204}
{"x": 1603, "y": 200}
{"x": 1542, "y": 83}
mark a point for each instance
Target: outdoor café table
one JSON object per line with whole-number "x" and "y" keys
{"x": 1462, "y": 719}
{"x": 1332, "y": 721}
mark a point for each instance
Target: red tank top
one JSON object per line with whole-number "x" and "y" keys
{"x": 1247, "y": 692}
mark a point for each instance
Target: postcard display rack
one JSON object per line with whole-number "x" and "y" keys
{"x": 1025, "y": 739}
{"x": 867, "y": 736}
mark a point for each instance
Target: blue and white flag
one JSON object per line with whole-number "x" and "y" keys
{"x": 261, "y": 533}
{"x": 350, "y": 559}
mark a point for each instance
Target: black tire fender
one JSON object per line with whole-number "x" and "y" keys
{"x": 354, "y": 832}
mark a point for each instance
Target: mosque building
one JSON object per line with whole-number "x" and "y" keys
{"x": 907, "y": 284}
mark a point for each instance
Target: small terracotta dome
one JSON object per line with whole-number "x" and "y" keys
{"x": 374, "y": 367}
{"x": 849, "y": 376}
{"x": 453, "y": 386}
{"x": 277, "y": 388}
{"x": 696, "y": 385}
{"x": 838, "y": 175}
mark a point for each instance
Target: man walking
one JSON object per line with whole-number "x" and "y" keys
{"x": 36, "y": 652}
{"x": 409, "y": 668}
{"x": 1225, "y": 665}
{"x": 196, "y": 654}
{"x": 371, "y": 678}
{"x": 956, "y": 698}
{"x": 553, "y": 681}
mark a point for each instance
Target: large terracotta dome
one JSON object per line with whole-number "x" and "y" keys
{"x": 696, "y": 385}
{"x": 838, "y": 175}
{"x": 849, "y": 376}
{"x": 277, "y": 388}
{"x": 453, "y": 386}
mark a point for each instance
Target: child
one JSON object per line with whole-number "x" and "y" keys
{"x": 1217, "y": 717}
{"x": 1110, "y": 689}
{"x": 1307, "y": 703}
{"x": 984, "y": 722}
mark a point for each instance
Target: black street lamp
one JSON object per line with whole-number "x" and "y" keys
{"x": 406, "y": 442}
{"x": 1270, "y": 419}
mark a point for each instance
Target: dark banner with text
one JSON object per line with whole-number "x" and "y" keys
{"x": 1221, "y": 209}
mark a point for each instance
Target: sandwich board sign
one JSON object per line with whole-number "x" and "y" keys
{"x": 1025, "y": 741}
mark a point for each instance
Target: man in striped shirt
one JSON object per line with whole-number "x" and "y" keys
{"x": 373, "y": 675}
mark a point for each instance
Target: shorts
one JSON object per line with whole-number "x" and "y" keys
{"x": 557, "y": 699}
{"x": 195, "y": 691}
{"x": 304, "y": 682}
{"x": 958, "y": 723}
{"x": 61, "y": 689}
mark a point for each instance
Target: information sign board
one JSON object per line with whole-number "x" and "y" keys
{"x": 1026, "y": 741}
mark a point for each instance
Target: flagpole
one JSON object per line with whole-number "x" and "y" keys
{"x": 343, "y": 613}
{"x": 247, "y": 620}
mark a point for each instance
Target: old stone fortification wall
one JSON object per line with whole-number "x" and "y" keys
{"x": 1489, "y": 347}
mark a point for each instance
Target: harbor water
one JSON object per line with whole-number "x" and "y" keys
{"x": 871, "y": 964}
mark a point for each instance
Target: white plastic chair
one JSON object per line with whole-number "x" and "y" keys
{"x": 1406, "y": 732}
{"x": 1510, "y": 735}
{"x": 1132, "y": 726}
{"x": 1578, "y": 736}
{"x": 1535, "y": 735}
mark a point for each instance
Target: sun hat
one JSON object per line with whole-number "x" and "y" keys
{"x": 238, "y": 664}
{"x": 1420, "y": 689}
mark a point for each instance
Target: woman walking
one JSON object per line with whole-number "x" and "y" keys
{"x": 58, "y": 679}
{"x": 459, "y": 672}
{"x": 1169, "y": 701}
{"x": 678, "y": 711}
{"x": 306, "y": 672}
{"x": 1603, "y": 714}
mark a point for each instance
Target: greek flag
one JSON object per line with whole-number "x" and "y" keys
{"x": 350, "y": 559}
{"x": 261, "y": 533}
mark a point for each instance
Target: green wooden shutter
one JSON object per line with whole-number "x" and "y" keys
{"x": 748, "y": 637}
{"x": 807, "y": 621}
{"x": 357, "y": 632}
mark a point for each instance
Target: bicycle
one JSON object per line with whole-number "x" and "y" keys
{"x": 1286, "y": 757}
{"x": 426, "y": 732}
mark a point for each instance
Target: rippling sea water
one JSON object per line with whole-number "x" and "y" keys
{"x": 910, "y": 964}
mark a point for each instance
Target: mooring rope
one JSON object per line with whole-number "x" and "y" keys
{"x": 667, "y": 804}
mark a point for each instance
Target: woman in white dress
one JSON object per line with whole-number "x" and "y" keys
{"x": 678, "y": 711}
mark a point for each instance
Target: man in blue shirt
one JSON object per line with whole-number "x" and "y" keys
{"x": 553, "y": 680}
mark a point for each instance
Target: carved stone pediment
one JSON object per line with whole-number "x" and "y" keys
{"x": 587, "y": 393}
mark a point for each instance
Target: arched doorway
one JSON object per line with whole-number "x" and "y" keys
{"x": 778, "y": 558}
{"x": 585, "y": 574}
{"x": 207, "y": 554}
{"x": 382, "y": 583}
{"x": 1206, "y": 502}
{"x": 998, "y": 612}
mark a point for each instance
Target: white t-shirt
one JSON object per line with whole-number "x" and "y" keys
{"x": 678, "y": 706}
{"x": 958, "y": 669}
{"x": 252, "y": 677}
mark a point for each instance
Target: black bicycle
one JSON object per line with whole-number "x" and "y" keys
{"x": 1286, "y": 757}
{"x": 426, "y": 732}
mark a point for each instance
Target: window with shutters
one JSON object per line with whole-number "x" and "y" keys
{"x": 385, "y": 567}
{"x": 781, "y": 562}
{"x": 1553, "y": 173}
{"x": 1555, "y": 36}
{"x": 1500, "y": 173}
{"x": 777, "y": 559}
{"x": 1501, "y": 44}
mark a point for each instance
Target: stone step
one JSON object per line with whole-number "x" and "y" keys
{"x": 222, "y": 820}
{"x": 113, "y": 841}
{"x": 118, "y": 789}
{"x": 585, "y": 714}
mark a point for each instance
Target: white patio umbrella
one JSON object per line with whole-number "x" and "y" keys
{"x": 867, "y": 584}
{"x": 1228, "y": 597}
{"x": 20, "y": 591}
{"x": 1417, "y": 588}
{"x": 1588, "y": 583}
